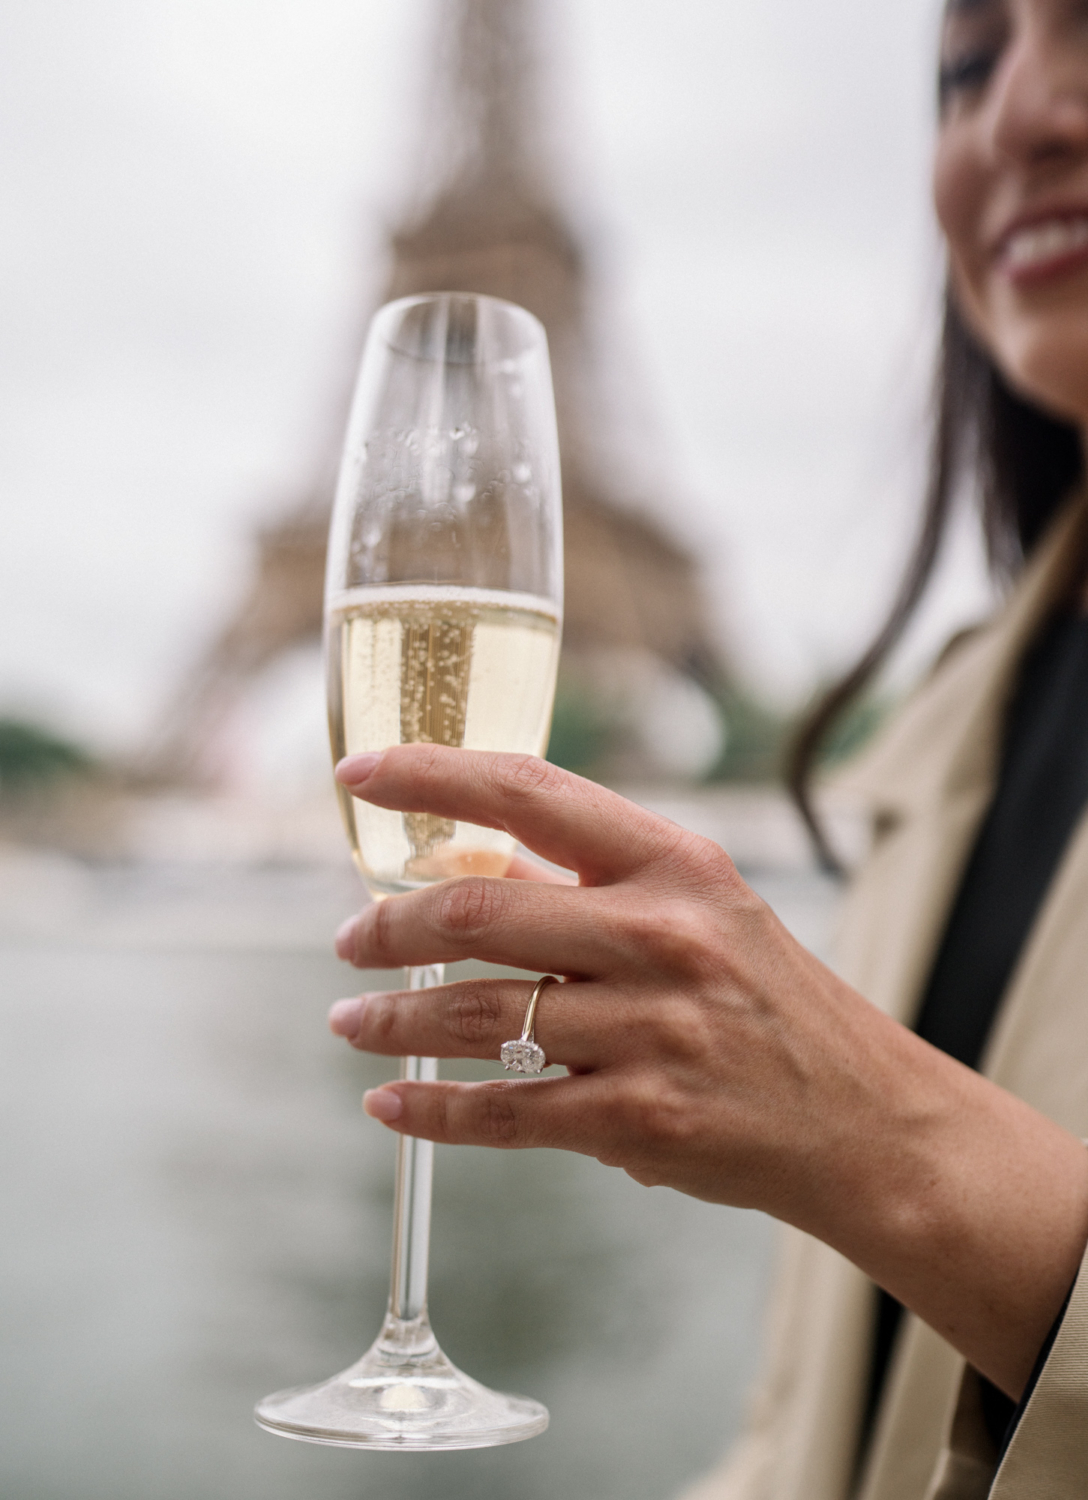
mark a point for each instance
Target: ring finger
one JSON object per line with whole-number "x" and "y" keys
{"x": 472, "y": 1019}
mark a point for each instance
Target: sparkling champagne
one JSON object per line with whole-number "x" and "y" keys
{"x": 439, "y": 666}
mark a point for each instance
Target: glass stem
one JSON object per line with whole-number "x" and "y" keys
{"x": 412, "y": 1202}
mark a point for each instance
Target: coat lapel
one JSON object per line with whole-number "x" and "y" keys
{"x": 1039, "y": 1049}
{"x": 927, "y": 782}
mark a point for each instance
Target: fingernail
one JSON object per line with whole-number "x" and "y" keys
{"x": 346, "y": 1017}
{"x": 354, "y": 769}
{"x": 343, "y": 940}
{"x": 383, "y": 1104}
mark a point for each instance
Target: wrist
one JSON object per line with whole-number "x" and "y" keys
{"x": 963, "y": 1202}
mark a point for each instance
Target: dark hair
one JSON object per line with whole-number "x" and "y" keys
{"x": 1023, "y": 461}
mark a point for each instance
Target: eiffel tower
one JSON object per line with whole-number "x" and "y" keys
{"x": 485, "y": 219}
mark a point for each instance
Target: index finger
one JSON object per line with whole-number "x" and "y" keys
{"x": 564, "y": 818}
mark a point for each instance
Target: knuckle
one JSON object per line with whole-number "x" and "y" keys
{"x": 443, "y": 1124}
{"x": 474, "y": 1015}
{"x": 676, "y": 1028}
{"x": 656, "y": 1027}
{"x": 733, "y": 894}
{"x": 641, "y": 929}
{"x": 704, "y": 864}
{"x": 710, "y": 864}
{"x": 701, "y": 863}
{"x": 529, "y": 776}
{"x": 662, "y": 1118}
{"x": 498, "y": 1118}
{"x": 419, "y": 755}
{"x": 428, "y": 761}
{"x": 465, "y": 908}
{"x": 672, "y": 935}
{"x": 379, "y": 1024}
{"x": 378, "y": 929}
{"x": 744, "y": 903}
{"x": 674, "y": 843}
{"x": 688, "y": 931}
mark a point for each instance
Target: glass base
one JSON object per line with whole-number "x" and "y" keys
{"x": 403, "y": 1395}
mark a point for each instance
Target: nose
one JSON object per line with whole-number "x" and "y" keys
{"x": 1040, "y": 102}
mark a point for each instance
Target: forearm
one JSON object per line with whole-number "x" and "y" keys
{"x": 966, "y": 1204}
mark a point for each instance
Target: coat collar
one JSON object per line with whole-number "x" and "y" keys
{"x": 945, "y": 743}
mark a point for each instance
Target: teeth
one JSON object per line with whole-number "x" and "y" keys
{"x": 1042, "y": 242}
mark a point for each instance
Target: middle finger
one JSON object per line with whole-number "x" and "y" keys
{"x": 473, "y": 1018}
{"x": 564, "y": 929}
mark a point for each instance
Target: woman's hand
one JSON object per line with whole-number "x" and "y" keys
{"x": 673, "y": 1022}
{"x": 708, "y": 1051}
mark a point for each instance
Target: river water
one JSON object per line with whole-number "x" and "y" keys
{"x": 197, "y": 1212}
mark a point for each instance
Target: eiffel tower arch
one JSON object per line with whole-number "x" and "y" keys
{"x": 485, "y": 218}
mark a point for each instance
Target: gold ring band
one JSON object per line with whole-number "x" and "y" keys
{"x": 523, "y": 1055}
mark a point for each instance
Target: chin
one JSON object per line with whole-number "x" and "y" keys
{"x": 1046, "y": 361}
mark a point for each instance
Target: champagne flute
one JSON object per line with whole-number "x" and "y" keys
{"x": 443, "y": 608}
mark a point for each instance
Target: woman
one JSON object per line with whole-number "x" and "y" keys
{"x": 708, "y": 1051}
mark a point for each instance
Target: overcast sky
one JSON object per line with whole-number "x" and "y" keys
{"x": 195, "y": 194}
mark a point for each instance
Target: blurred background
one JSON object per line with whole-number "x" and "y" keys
{"x": 720, "y": 212}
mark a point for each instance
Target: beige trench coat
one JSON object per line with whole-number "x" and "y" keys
{"x": 927, "y": 783}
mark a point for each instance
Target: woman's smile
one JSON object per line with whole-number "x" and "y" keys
{"x": 1011, "y": 187}
{"x": 1044, "y": 246}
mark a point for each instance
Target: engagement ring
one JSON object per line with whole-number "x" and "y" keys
{"x": 524, "y": 1055}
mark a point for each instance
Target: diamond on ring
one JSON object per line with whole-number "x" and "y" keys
{"x": 524, "y": 1055}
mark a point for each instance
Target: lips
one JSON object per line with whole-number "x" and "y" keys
{"x": 1045, "y": 247}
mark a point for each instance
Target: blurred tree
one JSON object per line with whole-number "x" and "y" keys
{"x": 31, "y": 756}
{"x": 755, "y": 738}
{"x": 860, "y": 722}
{"x": 757, "y": 735}
{"x": 582, "y": 735}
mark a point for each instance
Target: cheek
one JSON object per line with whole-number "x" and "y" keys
{"x": 959, "y": 195}
{"x": 1040, "y": 341}
{"x": 948, "y": 196}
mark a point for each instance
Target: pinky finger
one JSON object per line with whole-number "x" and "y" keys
{"x": 569, "y": 1114}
